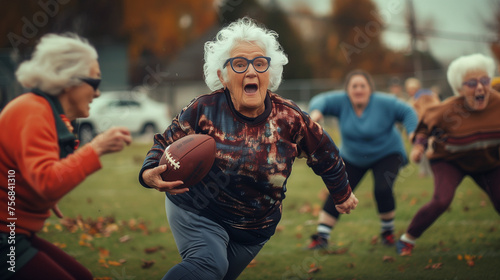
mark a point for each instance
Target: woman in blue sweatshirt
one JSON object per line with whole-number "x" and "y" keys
{"x": 370, "y": 140}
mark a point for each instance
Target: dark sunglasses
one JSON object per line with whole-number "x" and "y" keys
{"x": 94, "y": 83}
{"x": 472, "y": 83}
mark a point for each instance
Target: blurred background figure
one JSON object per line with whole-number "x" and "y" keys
{"x": 370, "y": 140}
{"x": 39, "y": 152}
{"x": 396, "y": 88}
{"x": 423, "y": 99}
{"x": 412, "y": 85}
{"x": 420, "y": 99}
{"x": 465, "y": 130}
{"x": 436, "y": 91}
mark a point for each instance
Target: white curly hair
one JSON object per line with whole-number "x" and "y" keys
{"x": 461, "y": 66}
{"x": 57, "y": 63}
{"x": 243, "y": 30}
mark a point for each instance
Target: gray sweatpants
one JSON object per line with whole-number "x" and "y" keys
{"x": 205, "y": 248}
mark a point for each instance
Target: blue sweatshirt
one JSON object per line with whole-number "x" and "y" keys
{"x": 373, "y": 135}
{"x": 244, "y": 190}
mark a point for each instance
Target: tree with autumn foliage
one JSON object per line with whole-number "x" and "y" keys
{"x": 159, "y": 30}
{"x": 353, "y": 40}
{"x": 494, "y": 26}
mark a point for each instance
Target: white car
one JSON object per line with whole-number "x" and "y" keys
{"x": 134, "y": 110}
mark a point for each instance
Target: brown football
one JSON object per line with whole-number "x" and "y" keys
{"x": 188, "y": 159}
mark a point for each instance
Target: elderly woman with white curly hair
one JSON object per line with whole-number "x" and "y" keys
{"x": 464, "y": 133}
{"x": 221, "y": 223}
{"x": 40, "y": 163}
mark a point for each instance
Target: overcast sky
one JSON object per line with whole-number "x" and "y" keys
{"x": 460, "y": 22}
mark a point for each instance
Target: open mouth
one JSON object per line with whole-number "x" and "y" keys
{"x": 479, "y": 98}
{"x": 251, "y": 88}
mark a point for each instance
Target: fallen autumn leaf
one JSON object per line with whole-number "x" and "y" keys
{"x": 147, "y": 264}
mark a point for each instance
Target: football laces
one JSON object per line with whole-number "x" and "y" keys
{"x": 172, "y": 161}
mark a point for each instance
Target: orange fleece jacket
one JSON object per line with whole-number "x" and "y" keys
{"x": 29, "y": 152}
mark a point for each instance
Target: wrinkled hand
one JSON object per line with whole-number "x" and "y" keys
{"x": 316, "y": 115}
{"x": 416, "y": 153}
{"x": 112, "y": 140}
{"x": 153, "y": 179}
{"x": 348, "y": 205}
{"x": 57, "y": 211}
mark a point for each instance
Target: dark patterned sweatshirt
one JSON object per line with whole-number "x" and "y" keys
{"x": 245, "y": 187}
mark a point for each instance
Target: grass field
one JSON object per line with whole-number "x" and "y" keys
{"x": 118, "y": 229}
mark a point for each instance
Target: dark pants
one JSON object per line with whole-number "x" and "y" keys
{"x": 205, "y": 247}
{"x": 385, "y": 172}
{"x": 447, "y": 177}
{"x": 51, "y": 263}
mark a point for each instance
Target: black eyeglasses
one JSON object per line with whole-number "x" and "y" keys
{"x": 472, "y": 83}
{"x": 240, "y": 64}
{"x": 94, "y": 83}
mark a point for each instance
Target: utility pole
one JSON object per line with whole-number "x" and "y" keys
{"x": 412, "y": 26}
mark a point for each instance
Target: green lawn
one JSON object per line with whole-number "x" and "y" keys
{"x": 113, "y": 206}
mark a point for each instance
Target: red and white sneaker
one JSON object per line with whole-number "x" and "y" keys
{"x": 404, "y": 248}
{"x": 388, "y": 238}
{"x": 317, "y": 242}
